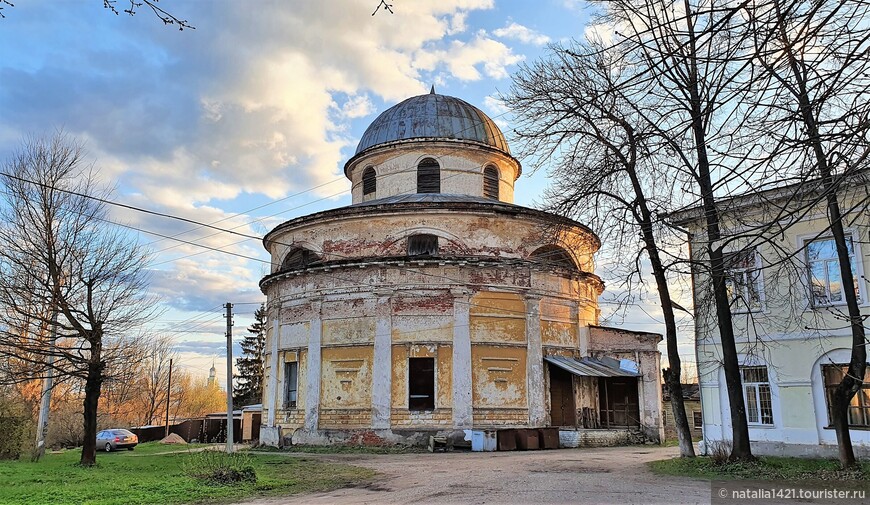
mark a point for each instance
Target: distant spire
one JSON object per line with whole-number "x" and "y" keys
{"x": 432, "y": 91}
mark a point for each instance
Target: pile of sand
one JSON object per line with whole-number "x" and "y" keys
{"x": 173, "y": 438}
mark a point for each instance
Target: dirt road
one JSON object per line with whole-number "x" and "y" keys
{"x": 605, "y": 475}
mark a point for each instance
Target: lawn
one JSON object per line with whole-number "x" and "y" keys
{"x": 154, "y": 473}
{"x": 766, "y": 468}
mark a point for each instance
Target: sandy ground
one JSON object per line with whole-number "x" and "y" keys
{"x": 604, "y": 475}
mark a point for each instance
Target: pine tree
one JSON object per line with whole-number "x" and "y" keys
{"x": 249, "y": 382}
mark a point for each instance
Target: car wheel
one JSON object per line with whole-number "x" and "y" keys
{"x": 129, "y": 448}
{"x": 108, "y": 447}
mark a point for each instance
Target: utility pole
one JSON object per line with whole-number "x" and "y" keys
{"x": 47, "y": 385}
{"x": 168, "y": 393}
{"x": 229, "y": 307}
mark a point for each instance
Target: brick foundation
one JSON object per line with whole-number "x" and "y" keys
{"x": 436, "y": 419}
{"x": 345, "y": 418}
{"x": 500, "y": 417}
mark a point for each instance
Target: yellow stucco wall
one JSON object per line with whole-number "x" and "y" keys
{"x": 498, "y": 376}
{"x": 346, "y": 380}
{"x": 498, "y": 317}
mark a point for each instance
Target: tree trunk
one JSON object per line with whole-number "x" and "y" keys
{"x": 675, "y": 388}
{"x": 741, "y": 450}
{"x": 93, "y": 384}
{"x": 852, "y": 381}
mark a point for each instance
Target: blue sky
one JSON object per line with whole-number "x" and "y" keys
{"x": 249, "y": 118}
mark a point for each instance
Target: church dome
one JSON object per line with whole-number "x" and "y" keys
{"x": 433, "y": 116}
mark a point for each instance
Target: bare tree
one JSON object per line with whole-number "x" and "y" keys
{"x": 690, "y": 62}
{"x": 154, "y": 381}
{"x": 812, "y": 101}
{"x": 59, "y": 254}
{"x": 605, "y": 170}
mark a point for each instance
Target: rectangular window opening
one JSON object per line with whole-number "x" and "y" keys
{"x": 743, "y": 280}
{"x": 823, "y": 269}
{"x": 421, "y": 383}
{"x": 757, "y": 395}
{"x": 697, "y": 420}
{"x": 291, "y": 378}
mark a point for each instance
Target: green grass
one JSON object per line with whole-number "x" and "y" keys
{"x": 766, "y": 468}
{"x": 148, "y": 476}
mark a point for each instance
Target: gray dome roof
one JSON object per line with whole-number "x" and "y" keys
{"x": 433, "y": 116}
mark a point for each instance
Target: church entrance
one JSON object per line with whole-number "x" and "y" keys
{"x": 562, "y": 408}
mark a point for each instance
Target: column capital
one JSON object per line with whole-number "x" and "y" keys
{"x": 460, "y": 292}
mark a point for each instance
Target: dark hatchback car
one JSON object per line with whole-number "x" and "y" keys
{"x": 111, "y": 440}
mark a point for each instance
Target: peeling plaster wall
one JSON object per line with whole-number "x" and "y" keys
{"x": 382, "y": 234}
{"x": 345, "y": 390}
{"x": 558, "y": 323}
{"x": 499, "y": 374}
{"x": 498, "y": 317}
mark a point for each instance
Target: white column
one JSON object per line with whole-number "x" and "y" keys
{"x": 535, "y": 362}
{"x": 462, "y": 408}
{"x": 312, "y": 372}
{"x": 273, "y": 376}
{"x": 382, "y": 366}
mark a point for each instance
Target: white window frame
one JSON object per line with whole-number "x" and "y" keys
{"x": 756, "y": 387}
{"x": 857, "y": 272}
{"x": 745, "y": 273}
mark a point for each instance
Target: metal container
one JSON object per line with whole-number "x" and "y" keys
{"x": 483, "y": 441}
{"x": 527, "y": 440}
{"x": 507, "y": 440}
{"x": 548, "y": 438}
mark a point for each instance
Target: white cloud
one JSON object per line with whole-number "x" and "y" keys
{"x": 516, "y": 31}
{"x": 462, "y": 59}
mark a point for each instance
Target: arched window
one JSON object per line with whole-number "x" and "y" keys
{"x": 299, "y": 258}
{"x": 369, "y": 181}
{"x": 428, "y": 176}
{"x": 423, "y": 245}
{"x": 553, "y": 255}
{"x": 490, "y": 182}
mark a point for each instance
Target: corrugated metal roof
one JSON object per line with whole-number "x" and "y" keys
{"x": 433, "y": 116}
{"x": 590, "y": 367}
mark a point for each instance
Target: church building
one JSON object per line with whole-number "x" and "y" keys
{"x": 433, "y": 304}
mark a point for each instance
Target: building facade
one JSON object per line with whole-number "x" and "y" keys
{"x": 788, "y": 315}
{"x": 433, "y": 304}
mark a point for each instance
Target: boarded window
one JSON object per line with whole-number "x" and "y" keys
{"x": 428, "y": 176}
{"x": 490, "y": 182}
{"x": 618, "y": 401}
{"x": 421, "y": 383}
{"x": 554, "y": 256}
{"x": 369, "y": 181}
{"x": 299, "y": 258}
{"x": 697, "y": 420}
{"x": 422, "y": 245}
{"x": 291, "y": 379}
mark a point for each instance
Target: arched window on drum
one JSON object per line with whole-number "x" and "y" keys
{"x": 369, "y": 183}
{"x": 428, "y": 176}
{"x": 490, "y": 182}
